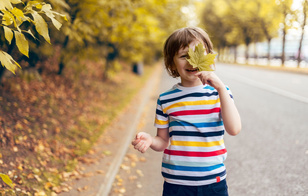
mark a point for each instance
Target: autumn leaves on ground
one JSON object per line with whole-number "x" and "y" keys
{"x": 48, "y": 122}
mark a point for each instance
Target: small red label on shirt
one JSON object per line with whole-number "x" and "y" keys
{"x": 218, "y": 178}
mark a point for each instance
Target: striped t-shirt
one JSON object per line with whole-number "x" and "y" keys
{"x": 196, "y": 151}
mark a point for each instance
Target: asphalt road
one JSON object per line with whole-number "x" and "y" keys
{"x": 269, "y": 156}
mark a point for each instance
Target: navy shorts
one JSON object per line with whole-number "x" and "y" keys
{"x": 215, "y": 189}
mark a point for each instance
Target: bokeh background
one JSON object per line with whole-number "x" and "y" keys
{"x": 70, "y": 67}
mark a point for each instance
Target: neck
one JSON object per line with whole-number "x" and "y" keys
{"x": 191, "y": 84}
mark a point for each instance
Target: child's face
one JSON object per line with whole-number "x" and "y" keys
{"x": 186, "y": 71}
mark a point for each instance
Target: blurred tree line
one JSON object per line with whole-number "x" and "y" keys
{"x": 235, "y": 22}
{"x": 131, "y": 30}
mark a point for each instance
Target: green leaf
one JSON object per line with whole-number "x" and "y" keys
{"x": 22, "y": 43}
{"x": 8, "y": 62}
{"x": 7, "y": 180}
{"x": 198, "y": 59}
{"x": 8, "y": 34}
{"x": 41, "y": 26}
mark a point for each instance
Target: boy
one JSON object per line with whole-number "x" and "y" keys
{"x": 191, "y": 119}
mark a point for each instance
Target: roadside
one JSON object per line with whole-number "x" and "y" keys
{"x": 140, "y": 174}
{"x": 97, "y": 170}
{"x": 271, "y": 67}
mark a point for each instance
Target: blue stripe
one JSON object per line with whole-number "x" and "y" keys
{"x": 159, "y": 112}
{"x": 196, "y": 134}
{"x": 193, "y": 178}
{"x": 198, "y": 125}
{"x": 170, "y": 92}
{"x": 193, "y": 169}
{"x": 215, "y": 93}
{"x": 209, "y": 87}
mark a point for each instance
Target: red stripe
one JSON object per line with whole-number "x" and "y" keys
{"x": 195, "y": 154}
{"x": 195, "y": 112}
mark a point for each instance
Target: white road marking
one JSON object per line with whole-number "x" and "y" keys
{"x": 270, "y": 88}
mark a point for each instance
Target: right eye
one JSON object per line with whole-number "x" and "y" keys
{"x": 184, "y": 56}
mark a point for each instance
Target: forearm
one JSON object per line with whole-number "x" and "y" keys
{"x": 159, "y": 144}
{"x": 229, "y": 113}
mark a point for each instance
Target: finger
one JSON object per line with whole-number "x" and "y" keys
{"x": 141, "y": 146}
{"x": 198, "y": 74}
{"x": 137, "y": 145}
{"x": 135, "y": 141}
{"x": 144, "y": 149}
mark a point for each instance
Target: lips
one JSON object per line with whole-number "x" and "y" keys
{"x": 192, "y": 70}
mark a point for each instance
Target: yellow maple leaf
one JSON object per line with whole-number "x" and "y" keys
{"x": 198, "y": 59}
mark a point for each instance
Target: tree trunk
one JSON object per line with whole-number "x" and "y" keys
{"x": 62, "y": 63}
{"x": 302, "y": 35}
{"x": 255, "y": 53}
{"x": 235, "y": 54}
{"x": 268, "y": 51}
{"x": 283, "y": 47}
{"x": 111, "y": 56}
{"x": 247, "y": 52}
{"x": 219, "y": 55}
{"x": 284, "y": 32}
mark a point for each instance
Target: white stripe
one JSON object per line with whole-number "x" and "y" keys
{"x": 198, "y": 118}
{"x": 193, "y": 107}
{"x": 198, "y": 149}
{"x": 196, "y": 139}
{"x": 210, "y": 160}
{"x": 202, "y": 130}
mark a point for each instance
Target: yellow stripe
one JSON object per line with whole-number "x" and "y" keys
{"x": 161, "y": 122}
{"x": 186, "y": 103}
{"x": 197, "y": 144}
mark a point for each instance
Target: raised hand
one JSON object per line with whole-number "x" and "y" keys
{"x": 142, "y": 141}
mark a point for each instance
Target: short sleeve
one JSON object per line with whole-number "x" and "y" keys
{"x": 229, "y": 91}
{"x": 161, "y": 119}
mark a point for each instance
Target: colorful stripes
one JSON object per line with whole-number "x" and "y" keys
{"x": 193, "y": 178}
{"x": 197, "y": 151}
{"x": 198, "y": 125}
{"x": 197, "y": 144}
{"x": 161, "y": 122}
{"x": 195, "y": 169}
{"x": 196, "y": 134}
{"x": 195, "y": 154}
{"x": 189, "y": 95}
{"x": 192, "y": 103}
{"x": 195, "y": 112}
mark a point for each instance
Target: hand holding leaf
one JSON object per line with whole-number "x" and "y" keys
{"x": 200, "y": 60}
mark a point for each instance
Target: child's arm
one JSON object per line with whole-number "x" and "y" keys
{"x": 229, "y": 113}
{"x": 158, "y": 143}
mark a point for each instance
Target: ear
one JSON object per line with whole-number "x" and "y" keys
{"x": 174, "y": 71}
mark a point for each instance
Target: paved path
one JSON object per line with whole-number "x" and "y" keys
{"x": 270, "y": 155}
{"x": 97, "y": 169}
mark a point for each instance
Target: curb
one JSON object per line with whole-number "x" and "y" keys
{"x": 145, "y": 94}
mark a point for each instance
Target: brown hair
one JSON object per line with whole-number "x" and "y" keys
{"x": 181, "y": 38}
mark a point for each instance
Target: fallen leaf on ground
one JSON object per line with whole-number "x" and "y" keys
{"x": 83, "y": 188}
{"x": 143, "y": 159}
{"x": 139, "y": 172}
{"x": 100, "y": 171}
